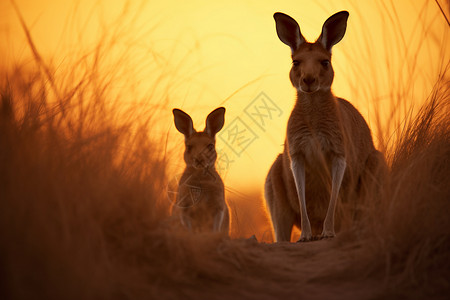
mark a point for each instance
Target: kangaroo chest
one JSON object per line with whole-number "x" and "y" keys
{"x": 315, "y": 137}
{"x": 200, "y": 186}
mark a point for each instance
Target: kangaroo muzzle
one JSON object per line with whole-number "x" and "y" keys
{"x": 308, "y": 84}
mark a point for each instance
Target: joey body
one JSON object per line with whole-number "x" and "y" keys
{"x": 200, "y": 202}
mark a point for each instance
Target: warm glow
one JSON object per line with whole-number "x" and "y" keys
{"x": 199, "y": 55}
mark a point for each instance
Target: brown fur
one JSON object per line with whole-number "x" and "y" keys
{"x": 200, "y": 202}
{"x": 321, "y": 129}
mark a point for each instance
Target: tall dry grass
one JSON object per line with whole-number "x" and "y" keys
{"x": 79, "y": 190}
{"x": 411, "y": 228}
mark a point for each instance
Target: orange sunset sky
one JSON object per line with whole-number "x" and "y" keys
{"x": 199, "y": 55}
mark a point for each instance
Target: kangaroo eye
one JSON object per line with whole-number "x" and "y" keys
{"x": 295, "y": 63}
{"x": 325, "y": 63}
{"x": 210, "y": 147}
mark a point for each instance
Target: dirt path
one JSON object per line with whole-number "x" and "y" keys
{"x": 246, "y": 269}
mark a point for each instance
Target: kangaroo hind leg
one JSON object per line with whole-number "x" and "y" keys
{"x": 281, "y": 213}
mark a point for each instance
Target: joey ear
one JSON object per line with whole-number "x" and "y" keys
{"x": 183, "y": 122}
{"x": 333, "y": 30}
{"x": 288, "y": 31}
{"x": 215, "y": 121}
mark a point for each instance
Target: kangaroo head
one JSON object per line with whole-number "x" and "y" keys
{"x": 311, "y": 62}
{"x": 200, "y": 151}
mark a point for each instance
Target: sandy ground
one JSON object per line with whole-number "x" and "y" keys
{"x": 326, "y": 269}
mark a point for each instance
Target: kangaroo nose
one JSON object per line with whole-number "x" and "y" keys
{"x": 309, "y": 80}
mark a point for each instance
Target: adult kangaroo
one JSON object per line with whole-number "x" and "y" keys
{"x": 328, "y": 152}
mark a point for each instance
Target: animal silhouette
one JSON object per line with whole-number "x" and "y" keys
{"x": 200, "y": 202}
{"x": 328, "y": 152}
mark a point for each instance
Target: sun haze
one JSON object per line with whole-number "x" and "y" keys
{"x": 91, "y": 161}
{"x": 199, "y": 55}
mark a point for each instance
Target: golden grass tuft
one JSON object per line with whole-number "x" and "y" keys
{"x": 412, "y": 225}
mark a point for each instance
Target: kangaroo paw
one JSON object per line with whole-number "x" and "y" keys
{"x": 307, "y": 237}
{"x": 327, "y": 235}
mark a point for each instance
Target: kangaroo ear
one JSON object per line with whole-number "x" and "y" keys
{"x": 215, "y": 121}
{"x": 333, "y": 30}
{"x": 288, "y": 31}
{"x": 183, "y": 122}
